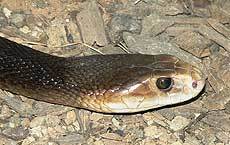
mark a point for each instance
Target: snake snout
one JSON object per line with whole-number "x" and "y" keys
{"x": 198, "y": 80}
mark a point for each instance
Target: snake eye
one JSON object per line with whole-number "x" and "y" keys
{"x": 164, "y": 83}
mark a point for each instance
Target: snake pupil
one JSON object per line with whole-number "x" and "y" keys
{"x": 164, "y": 83}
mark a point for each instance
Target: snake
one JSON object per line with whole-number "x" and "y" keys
{"x": 113, "y": 83}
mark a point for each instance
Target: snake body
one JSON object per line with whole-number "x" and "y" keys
{"x": 120, "y": 83}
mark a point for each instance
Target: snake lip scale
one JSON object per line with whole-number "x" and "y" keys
{"x": 116, "y": 83}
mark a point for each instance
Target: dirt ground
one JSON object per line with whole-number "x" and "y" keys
{"x": 197, "y": 31}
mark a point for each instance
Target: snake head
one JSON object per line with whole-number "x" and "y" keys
{"x": 168, "y": 81}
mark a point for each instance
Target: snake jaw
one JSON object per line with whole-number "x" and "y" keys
{"x": 188, "y": 83}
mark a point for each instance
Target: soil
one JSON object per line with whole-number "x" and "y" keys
{"x": 197, "y": 31}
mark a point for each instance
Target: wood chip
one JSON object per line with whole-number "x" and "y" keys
{"x": 91, "y": 24}
{"x": 214, "y": 36}
{"x": 219, "y": 27}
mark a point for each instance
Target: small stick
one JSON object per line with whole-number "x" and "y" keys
{"x": 94, "y": 49}
{"x": 123, "y": 47}
{"x": 137, "y": 1}
{"x": 66, "y": 45}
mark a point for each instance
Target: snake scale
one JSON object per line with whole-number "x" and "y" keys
{"x": 116, "y": 83}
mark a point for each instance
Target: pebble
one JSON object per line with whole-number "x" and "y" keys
{"x": 220, "y": 144}
{"x": 12, "y": 125}
{"x": 17, "y": 133}
{"x": 60, "y": 129}
{"x": 219, "y": 118}
{"x": 73, "y": 31}
{"x": 52, "y": 143}
{"x": 76, "y": 126}
{"x": 5, "y": 112}
{"x": 173, "y": 9}
{"x": 96, "y": 116}
{"x": 178, "y": 123}
{"x": 192, "y": 42}
{"x": 91, "y": 140}
{"x": 112, "y": 136}
{"x": 148, "y": 141}
{"x": 7, "y": 12}
{"x": 3, "y": 20}
{"x": 14, "y": 121}
{"x": 37, "y": 121}
{"x": 49, "y": 120}
{"x": 18, "y": 19}
{"x": 28, "y": 141}
{"x": 153, "y": 131}
{"x": 52, "y": 132}
{"x": 52, "y": 120}
{"x": 98, "y": 142}
{"x": 109, "y": 142}
{"x": 123, "y": 23}
{"x": 191, "y": 140}
{"x": 7, "y": 141}
{"x": 16, "y": 104}
{"x": 227, "y": 107}
{"x": 167, "y": 137}
{"x": 71, "y": 138}
{"x": 177, "y": 143}
{"x": 70, "y": 128}
{"x": 116, "y": 122}
{"x": 43, "y": 108}
{"x": 40, "y": 4}
{"x": 36, "y": 131}
{"x": 224, "y": 137}
{"x": 44, "y": 131}
{"x": 70, "y": 117}
{"x": 150, "y": 118}
{"x": 25, "y": 122}
{"x": 25, "y": 29}
{"x": 56, "y": 35}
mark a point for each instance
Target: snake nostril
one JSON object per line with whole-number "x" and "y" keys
{"x": 194, "y": 84}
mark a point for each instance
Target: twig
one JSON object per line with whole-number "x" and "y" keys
{"x": 34, "y": 43}
{"x": 137, "y": 1}
{"x": 94, "y": 49}
{"x": 66, "y": 45}
{"x": 123, "y": 47}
